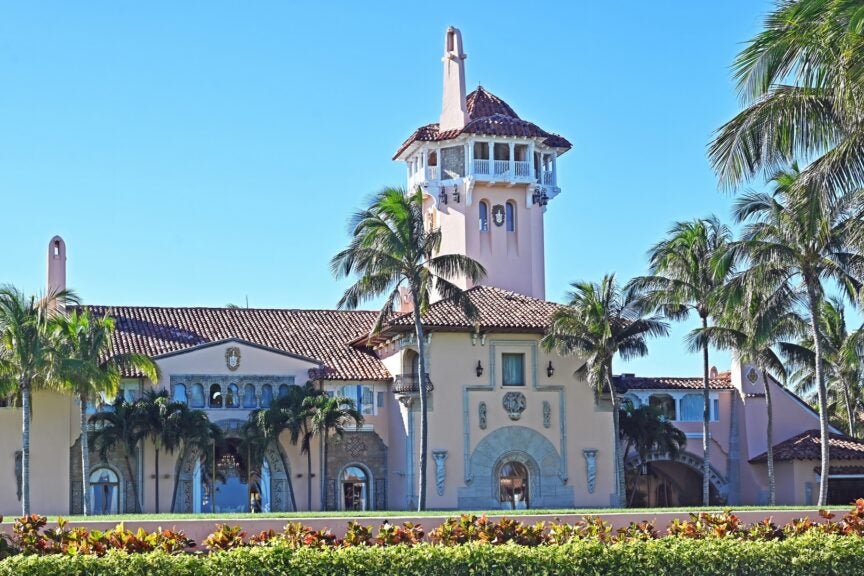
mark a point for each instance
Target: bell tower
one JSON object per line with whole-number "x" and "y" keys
{"x": 56, "y": 276}
{"x": 487, "y": 176}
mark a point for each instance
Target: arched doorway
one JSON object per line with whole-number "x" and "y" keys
{"x": 240, "y": 485}
{"x": 513, "y": 486}
{"x": 659, "y": 481}
{"x": 356, "y": 488}
{"x": 104, "y": 492}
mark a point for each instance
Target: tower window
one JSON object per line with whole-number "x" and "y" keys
{"x": 510, "y": 216}
{"x": 484, "y": 217}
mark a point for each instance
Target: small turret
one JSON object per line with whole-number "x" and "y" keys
{"x": 56, "y": 266}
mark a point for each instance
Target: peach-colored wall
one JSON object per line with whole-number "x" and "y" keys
{"x": 50, "y": 443}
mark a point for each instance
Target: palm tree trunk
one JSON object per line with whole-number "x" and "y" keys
{"x": 24, "y": 386}
{"x": 772, "y": 485}
{"x": 85, "y": 459}
{"x": 813, "y": 302}
{"x": 706, "y": 419}
{"x": 133, "y": 479}
{"x": 620, "y": 488}
{"x": 309, "y": 478}
{"x": 156, "y": 469}
{"x": 424, "y": 424}
{"x": 324, "y": 474}
{"x": 850, "y": 420}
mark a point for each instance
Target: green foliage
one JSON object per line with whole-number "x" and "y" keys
{"x": 225, "y": 538}
{"x": 822, "y": 554}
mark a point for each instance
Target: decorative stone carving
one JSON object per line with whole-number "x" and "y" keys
{"x": 590, "y": 455}
{"x": 440, "y": 456}
{"x": 482, "y": 414}
{"x": 752, "y": 376}
{"x": 547, "y": 414}
{"x": 355, "y": 446}
{"x": 514, "y": 404}
{"x": 232, "y": 358}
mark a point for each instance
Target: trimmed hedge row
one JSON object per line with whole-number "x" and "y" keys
{"x": 806, "y": 555}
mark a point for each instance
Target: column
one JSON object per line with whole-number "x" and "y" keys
{"x": 512, "y": 161}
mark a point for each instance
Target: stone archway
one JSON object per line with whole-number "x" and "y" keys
{"x": 281, "y": 490}
{"x": 688, "y": 460}
{"x": 527, "y": 447}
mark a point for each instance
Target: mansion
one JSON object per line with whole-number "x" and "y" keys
{"x": 510, "y": 425}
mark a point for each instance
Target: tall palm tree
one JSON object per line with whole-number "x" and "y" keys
{"x": 756, "y": 319}
{"x": 799, "y": 234}
{"x": 26, "y": 356}
{"x": 330, "y": 415}
{"x": 801, "y": 81}
{"x": 115, "y": 427}
{"x": 842, "y": 362}
{"x": 600, "y": 321}
{"x": 391, "y": 247}
{"x": 688, "y": 271}
{"x": 645, "y": 429}
{"x": 86, "y": 369}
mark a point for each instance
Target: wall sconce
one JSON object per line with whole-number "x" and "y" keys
{"x": 479, "y": 369}
{"x": 550, "y": 370}
{"x": 539, "y": 197}
{"x": 442, "y": 196}
{"x": 456, "y": 196}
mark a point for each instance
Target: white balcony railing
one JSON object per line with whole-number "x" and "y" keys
{"x": 431, "y": 173}
{"x": 546, "y": 178}
{"x": 502, "y": 167}
{"x": 481, "y": 167}
{"x": 523, "y": 169}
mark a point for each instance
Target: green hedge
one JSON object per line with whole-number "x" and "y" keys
{"x": 806, "y": 555}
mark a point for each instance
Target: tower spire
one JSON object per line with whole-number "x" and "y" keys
{"x": 454, "y": 109}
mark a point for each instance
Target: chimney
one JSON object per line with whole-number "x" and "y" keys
{"x": 454, "y": 109}
{"x": 56, "y": 266}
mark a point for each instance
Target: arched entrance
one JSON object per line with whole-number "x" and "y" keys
{"x": 355, "y": 484}
{"x": 513, "y": 485}
{"x": 239, "y": 485}
{"x": 659, "y": 481}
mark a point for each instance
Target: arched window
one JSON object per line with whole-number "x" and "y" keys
{"x": 510, "y": 216}
{"x": 355, "y": 489}
{"x": 104, "y": 491}
{"x": 232, "y": 398}
{"x": 180, "y": 393}
{"x": 215, "y": 396}
{"x": 266, "y": 395}
{"x": 249, "y": 400}
{"x": 484, "y": 216}
{"x": 665, "y": 403}
{"x": 283, "y": 390}
{"x": 513, "y": 485}
{"x": 197, "y": 397}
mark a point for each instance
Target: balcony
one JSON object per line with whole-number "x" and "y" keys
{"x": 481, "y": 167}
{"x": 409, "y": 384}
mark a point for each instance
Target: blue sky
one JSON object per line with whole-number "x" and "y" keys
{"x": 197, "y": 153}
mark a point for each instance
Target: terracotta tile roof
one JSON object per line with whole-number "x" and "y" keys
{"x": 498, "y": 310}
{"x": 626, "y": 382}
{"x": 323, "y": 335}
{"x": 489, "y": 115}
{"x": 481, "y": 103}
{"x": 807, "y": 445}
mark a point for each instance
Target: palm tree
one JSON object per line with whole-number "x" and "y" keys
{"x": 116, "y": 427}
{"x": 330, "y": 415}
{"x": 26, "y": 356}
{"x": 801, "y": 81}
{"x": 801, "y": 234}
{"x": 647, "y": 430}
{"x": 688, "y": 271}
{"x": 87, "y": 371}
{"x": 391, "y": 247}
{"x": 293, "y": 413}
{"x": 756, "y": 320}
{"x": 172, "y": 426}
{"x": 843, "y": 363}
{"x": 601, "y": 321}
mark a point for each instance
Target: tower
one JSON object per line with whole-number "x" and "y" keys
{"x": 56, "y": 276}
{"x": 487, "y": 176}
